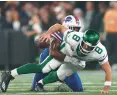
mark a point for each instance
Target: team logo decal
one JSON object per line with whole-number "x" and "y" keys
{"x": 68, "y": 19}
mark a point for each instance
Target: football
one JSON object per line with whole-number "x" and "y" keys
{"x": 39, "y": 43}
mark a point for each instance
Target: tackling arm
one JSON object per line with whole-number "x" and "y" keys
{"x": 55, "y": 50}
{"x": 57, "y": 27}
{"x": 51, "y": 30}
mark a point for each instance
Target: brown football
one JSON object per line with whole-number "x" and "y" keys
{"x": 41, "y": 44}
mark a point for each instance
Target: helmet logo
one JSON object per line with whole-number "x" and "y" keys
{"x": 68, "y": 19}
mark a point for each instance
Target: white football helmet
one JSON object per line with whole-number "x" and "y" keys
{"x": 72, "y": 23}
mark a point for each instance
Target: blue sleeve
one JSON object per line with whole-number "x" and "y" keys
{"x": 60, "y": 34}
{"x": 44, "y": 54}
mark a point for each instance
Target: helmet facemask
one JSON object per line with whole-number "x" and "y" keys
{"x": 86, "y": 48}
{"x": 74, "y": 28}
{"x": 89, "y": 41}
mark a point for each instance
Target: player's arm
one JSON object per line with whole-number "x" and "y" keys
{"x": 55, "y": 50}
{"x": 51, "y": 30}
{"x": 108, "y": 73}
{"x": 108, "y": 77}
{"x": 56, "y": 27}
{"x": 107, "y": 69}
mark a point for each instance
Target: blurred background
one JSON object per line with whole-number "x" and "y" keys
{"x": 21, "y": 21}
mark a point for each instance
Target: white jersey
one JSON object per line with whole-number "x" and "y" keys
{"x": 72, "y": 42}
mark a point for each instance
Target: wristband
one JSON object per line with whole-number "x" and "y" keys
{"x": 107, "y": 83}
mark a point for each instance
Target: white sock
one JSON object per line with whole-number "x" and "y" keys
{"x": 41, "y": 81}
{"x": 14, "y": 72}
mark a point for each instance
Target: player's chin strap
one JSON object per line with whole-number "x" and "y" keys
{"x": 107, "y": 83}
{"x": 82, "y": 51}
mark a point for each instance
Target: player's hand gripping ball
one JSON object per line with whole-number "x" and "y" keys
{"x": 40, "y": 43}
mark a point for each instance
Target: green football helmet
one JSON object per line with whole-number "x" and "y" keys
{"x": 90, "y": 39}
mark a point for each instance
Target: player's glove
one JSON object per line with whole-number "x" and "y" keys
{"x": 75, "y": 61}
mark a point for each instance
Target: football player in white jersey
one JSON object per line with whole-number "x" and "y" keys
{"x": 79, "y": 48}
{"x": 75, "y": 50}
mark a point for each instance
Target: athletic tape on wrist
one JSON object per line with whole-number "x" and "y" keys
{"x": 108, "y": 83}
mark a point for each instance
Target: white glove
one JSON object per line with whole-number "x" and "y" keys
{"x": 80, "y": 64}
{"x": 75, "y": 61}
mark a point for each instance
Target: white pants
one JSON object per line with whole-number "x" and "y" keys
{"x": 51, "y": 64}
{"x": 67, "y": 69}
